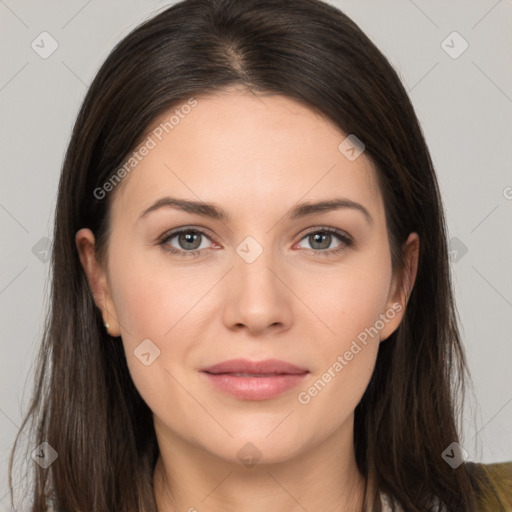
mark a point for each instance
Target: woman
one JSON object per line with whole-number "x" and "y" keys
{"x": 251, "y": 302}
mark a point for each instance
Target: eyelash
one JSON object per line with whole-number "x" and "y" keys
{"x": 342, "y": 237}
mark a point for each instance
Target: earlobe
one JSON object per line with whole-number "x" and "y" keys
{"x": 97, "y": 279}
{"x": 402, "y": 286}
{"x": 408, "y": 275}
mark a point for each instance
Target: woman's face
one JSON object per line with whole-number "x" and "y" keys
{"x": 265, "y": 281}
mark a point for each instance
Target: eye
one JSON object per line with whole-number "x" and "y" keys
{"x": 187, "y": 242}
{"x": 191, "y": 242}
{"x": 321, "y": 240}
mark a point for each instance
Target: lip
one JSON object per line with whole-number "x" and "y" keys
{"x": 267, "y": 379}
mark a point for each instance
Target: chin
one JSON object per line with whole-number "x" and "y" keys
{"x": 257, "y": 449}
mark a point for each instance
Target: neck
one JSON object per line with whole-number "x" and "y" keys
{"x": 324, "y": 477}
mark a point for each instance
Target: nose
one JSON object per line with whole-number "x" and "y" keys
{"x": 257, "y": 297}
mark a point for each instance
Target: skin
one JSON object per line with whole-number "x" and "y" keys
{"x": 256, "y": 157}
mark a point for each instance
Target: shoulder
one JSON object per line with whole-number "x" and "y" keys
{"x": 493, "y": 484}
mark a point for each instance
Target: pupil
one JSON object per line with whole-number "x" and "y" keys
{"x": 319, "y": 237}
{"x": 189, "y": 240}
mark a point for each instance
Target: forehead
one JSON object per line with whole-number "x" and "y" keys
{"x": 245, "y": 150}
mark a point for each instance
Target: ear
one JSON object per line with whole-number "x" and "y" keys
{"x": 401, "y": 287}
{"x": 97, "y": 279}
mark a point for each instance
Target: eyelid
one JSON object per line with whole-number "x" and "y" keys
{"x": 185, "y": 229}
{"x": 163, "y": 241}
{"x": 344, "y": 238}
{"x": 336, "y": 231}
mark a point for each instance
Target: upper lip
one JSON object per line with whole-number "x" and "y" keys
{"x": 268, "y": 366}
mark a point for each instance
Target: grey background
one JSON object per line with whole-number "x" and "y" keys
{"x": 464, "y": 105}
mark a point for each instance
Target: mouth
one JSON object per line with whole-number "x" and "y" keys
{"x": 257, "y": 375}
{"x": 260, "y": 380}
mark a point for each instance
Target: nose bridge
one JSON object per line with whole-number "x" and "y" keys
{"x": 252, "y": 268}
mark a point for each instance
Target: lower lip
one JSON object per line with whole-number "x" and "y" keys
{"x": 254, "y": 388}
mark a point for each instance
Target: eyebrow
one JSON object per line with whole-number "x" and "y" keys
{"x": 217, "y": 213}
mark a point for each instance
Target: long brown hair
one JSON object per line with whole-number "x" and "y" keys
{"x": 85, "y": 404}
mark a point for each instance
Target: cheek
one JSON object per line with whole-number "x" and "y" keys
{"x": 152, "y": 311}
{"x": 350, "y": 302}
{"x": 350, "y": 308}
{"x": 152, "y": 298}
{"x": 155, "y": 302}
